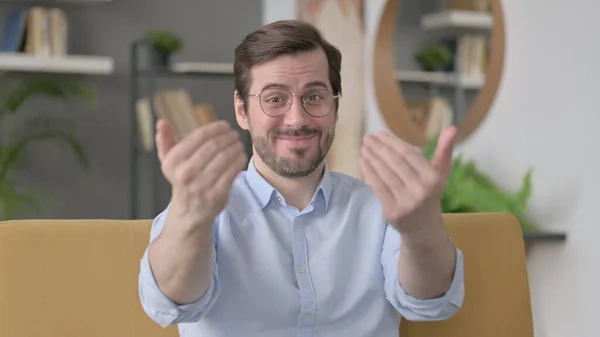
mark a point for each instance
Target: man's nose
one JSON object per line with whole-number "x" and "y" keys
{"x": 296, "y": 115}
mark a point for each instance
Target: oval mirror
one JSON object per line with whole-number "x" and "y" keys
{"x": 437, "y": 63}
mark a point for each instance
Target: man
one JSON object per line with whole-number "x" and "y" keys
{"x": 287, "y": 248}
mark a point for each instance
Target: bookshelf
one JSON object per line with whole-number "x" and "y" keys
{"x": 456, "y": 19}
{"x": 35, "y": 39}
{"x": 200, "y": 68}
{"x": 70, "y": 64}
{"x": 440, "y": 78}
{"x": 410, "y": 96}
{"x": 466, "y": 74}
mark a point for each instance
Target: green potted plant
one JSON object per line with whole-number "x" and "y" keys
{"x": 164, "y": 44}
{"x": 469, "y": 190}
{"x": 434, "y": 57}
{"x": 19, "y": 132}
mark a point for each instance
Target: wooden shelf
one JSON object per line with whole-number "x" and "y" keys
{"x": 222, "y": 68}
{"x": 72, "y": 64}
{"x": 440, "y": 78}
{"x": 457, "y": 19}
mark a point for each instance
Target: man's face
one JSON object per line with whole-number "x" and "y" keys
{"x": 294, "y": 143}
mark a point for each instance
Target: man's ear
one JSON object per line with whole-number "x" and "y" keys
{"x": 240, "y": 111}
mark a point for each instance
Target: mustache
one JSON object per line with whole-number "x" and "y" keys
{"x": 304, "y": 131}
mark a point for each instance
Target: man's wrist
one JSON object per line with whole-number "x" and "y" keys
{"x": 429, "y": 232}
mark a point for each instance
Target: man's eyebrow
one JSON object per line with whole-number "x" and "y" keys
{"x": 275, "y": 86}
{"x": 316, "y": 84}
{"x": 308, "y": 85}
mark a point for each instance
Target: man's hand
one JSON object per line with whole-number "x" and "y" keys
{"x": 407, "y": 184}
{"x": 201, "y": 169}
{"x": 409, "y": 188}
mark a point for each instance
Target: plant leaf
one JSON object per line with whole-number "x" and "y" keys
{"x": 39, "y": 128}
{"x": 470, "y": 190}
{"x": 522, "y": 197}
{"x": 20, "y": 91}
{"x": 13, "y": 202}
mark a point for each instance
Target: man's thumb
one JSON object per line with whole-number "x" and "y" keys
{"x": 164, "y": 138}
{"x": 442, "y": 158}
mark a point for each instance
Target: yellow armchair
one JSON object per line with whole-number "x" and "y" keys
{"x": 497, "y": 301}
{"x": 73, "y": 278}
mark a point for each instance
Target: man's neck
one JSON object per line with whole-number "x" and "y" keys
{"x": 297, "y": 192}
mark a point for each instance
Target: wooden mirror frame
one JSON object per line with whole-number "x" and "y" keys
{"x": 389, "y": 93}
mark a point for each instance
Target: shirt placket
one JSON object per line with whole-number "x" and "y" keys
{"x": 307, "y": 312}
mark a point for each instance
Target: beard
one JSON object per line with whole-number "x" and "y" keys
{"x": 300, "y": 165}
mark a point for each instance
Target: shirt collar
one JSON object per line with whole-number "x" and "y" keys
{"x": 264, "y": 191}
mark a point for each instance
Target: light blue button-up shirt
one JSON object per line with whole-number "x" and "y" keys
{"x": 328, "y": 270}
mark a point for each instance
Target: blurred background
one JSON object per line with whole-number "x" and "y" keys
{"x": 99, "y": 37}
{"x": 82, "y": 81}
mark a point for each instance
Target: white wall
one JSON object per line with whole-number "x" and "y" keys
{"x": 545, "y": 116}
{"x": 548, "y": 99}
{"x": 274, "y": 10}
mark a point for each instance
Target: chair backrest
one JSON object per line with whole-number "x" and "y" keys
{"x": 497, "y": 300}
{"x": 73, "y": 278}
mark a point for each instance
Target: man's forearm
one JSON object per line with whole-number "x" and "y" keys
{"x": 182, "y": 262}
{"x": 427, "y": 261}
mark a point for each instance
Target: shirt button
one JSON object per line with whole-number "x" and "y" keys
{"x": 307, "y": 318}
{"x": 279, "y": 197}
{"x": 301, "y": 269}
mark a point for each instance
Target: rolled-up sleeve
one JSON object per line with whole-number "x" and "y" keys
{"x": 412, "y": 308}
{"x": 157, "y": 305}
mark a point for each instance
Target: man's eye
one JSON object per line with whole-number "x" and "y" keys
{"x": 273, "y": 100}
{"x": 276, "y": 100}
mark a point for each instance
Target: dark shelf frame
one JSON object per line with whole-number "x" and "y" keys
{"x": 541, "y": 236}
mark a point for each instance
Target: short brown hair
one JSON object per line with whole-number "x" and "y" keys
{"x": 282, "y": 38}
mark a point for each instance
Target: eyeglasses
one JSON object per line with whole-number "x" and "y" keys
{"x": 276, "y": 102}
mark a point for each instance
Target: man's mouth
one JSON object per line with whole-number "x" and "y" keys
{"x": 284, "y": 137}
{"x": 297, "y": 141}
